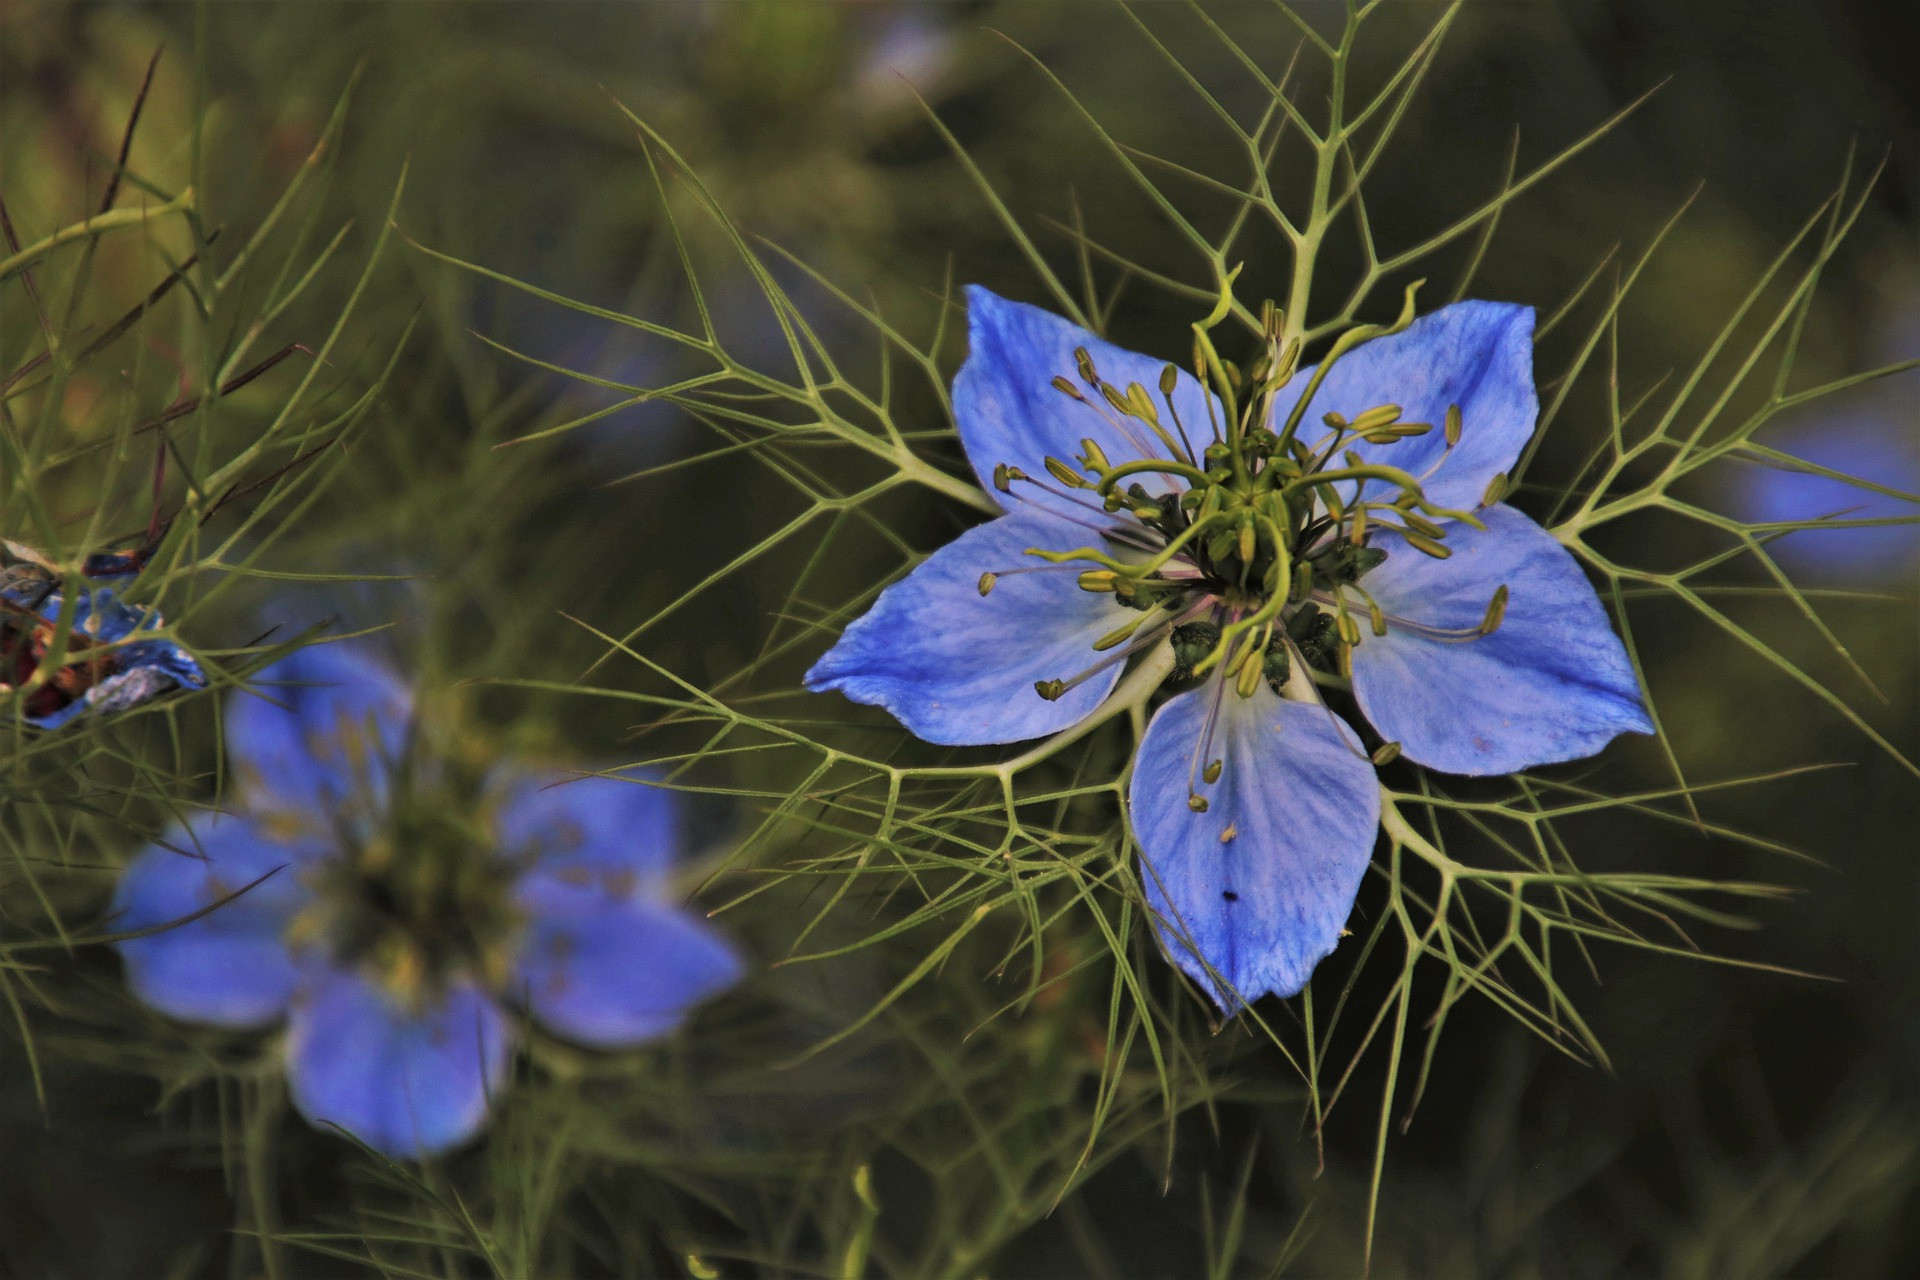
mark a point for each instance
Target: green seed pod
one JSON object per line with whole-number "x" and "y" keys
{"x": 1277, "y": 664}
{"x": 1192, "y": 642}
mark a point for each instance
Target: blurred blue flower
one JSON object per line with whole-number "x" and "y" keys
{"x": 1467, "y": 635}
{"x": 392, "y": 925}
{"x": 1877, "y": 449}
{"x": 105, "y": 670}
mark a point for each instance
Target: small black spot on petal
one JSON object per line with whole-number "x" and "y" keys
{"x": 1230, "y": 895}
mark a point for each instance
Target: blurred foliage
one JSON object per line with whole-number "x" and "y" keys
{"x": 920, "y": 1087}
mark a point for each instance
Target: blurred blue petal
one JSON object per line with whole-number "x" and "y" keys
{"x": 1008, "y": 410}
{"x": 1478, "y": 355}
{"x": 407, "y": 1082}
{"x": 1878, "y": 449}
{"x": 318, "y": 726}
{"x": 585, "y": 830}
{"x": 958, "y": 668}
{"x": 141, "y": 670}
{"x": 1551, "y": 683}
{"x": 230, "y": 967}
{"x": 1256, "y": 888}
{"x": 610, "y": 971}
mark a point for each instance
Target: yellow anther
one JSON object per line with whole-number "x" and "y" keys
{"x": 1496, "y": 612}
{"x": 1066, "y": 475}
{"x": 1378, "y": 416}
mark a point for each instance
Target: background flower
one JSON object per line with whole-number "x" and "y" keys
{"x": 118, "y": 678}
{"x": 391, "y": 929}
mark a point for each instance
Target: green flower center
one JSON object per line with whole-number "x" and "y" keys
{"x": 1245, "y": 539}
{"x": 421, "y": 900}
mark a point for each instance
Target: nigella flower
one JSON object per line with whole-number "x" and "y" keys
{"x": 402, "y": 914}
{"x": 106, "y": 667}
{"x": 1336, "y": 527}
{"x": 1870, "y": 447}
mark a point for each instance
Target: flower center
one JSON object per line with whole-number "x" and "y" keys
{"x": 1243, "y": 540}
{"x": 422, "y": 899}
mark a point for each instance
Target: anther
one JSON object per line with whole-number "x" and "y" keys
{"x": 1421, "y": 525}
{"x": 1139, "y": 405}
{"x": 1197, "y": 803}
{"x": 1387, "y": 753}
{"x": 1097, "y": 580}
{"x": 1438, "y": 550}
{"x": 987, "y": 580}
{"x": 1169, "y": 379}
{"x": 1376, "y": 417}
{"x": 1247, "y": 683}
{"x": 1453, "y": 426}
{"x": 1496, "y": 489}
{"x": 1068, "y": 389}
{"x": 1051, "y": 690}
{"x": 1066, "y": 475}
{"x": 1211, "y": 774}
{"x": 1118, "y": 634}
{"x": 1288, "y": 364}
{"x": 1496, "y": 612}
{"x": 1084, "y": 363}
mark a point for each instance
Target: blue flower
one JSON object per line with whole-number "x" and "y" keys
{"x": 106, "y": 670}
{"x": 1869, "y": 446}
{"x": 391, "y": 919}
{"x": 1355, "y": 543}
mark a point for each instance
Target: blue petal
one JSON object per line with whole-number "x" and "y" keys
{"x": 144, "y": 669}
{"x": 578, "y": 829}
{"x": 230, "y": 967}
{"x": 1008, "y": 410}
{"x": 1870, "y": 446}
{"x": 321, "y": 724}
{"x": 1478, "y": 355}
{"x": 407, "y": 1082}
{"x": 1251, "y": 894}
{"x": 610, "y": 971}
{"x": 1552, "y": 683}
{"x": 959, "y": 668}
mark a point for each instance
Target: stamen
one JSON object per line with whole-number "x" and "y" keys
{"x": 1084, "y": 362}
{"x": 1053, "y": 690}
{"x": 1496, "y": 611}
{"x": 1120, "y": 533}
{"x": 1426, "y": 545}
{"x": 1169, "y": 380}
{"x": 1445, "y": 635}
{"x": 1204, "y": 751}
